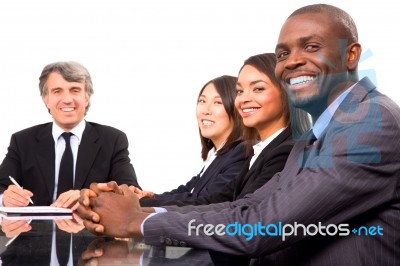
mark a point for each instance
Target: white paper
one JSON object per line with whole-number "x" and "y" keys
{"x": 35, "y": 210}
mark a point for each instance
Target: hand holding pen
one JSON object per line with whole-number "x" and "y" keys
{"x": 16, "y": 196}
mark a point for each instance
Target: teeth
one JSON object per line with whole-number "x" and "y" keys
{"x": 249, "y": 110}
{"x": 302, "y": 79}
{"x": 69, "y": 109}
{"x": 207, "y": 122}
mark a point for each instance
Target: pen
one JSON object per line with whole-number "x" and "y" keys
{"x": 15, "y": 237}
{"x": 15, "y": 183}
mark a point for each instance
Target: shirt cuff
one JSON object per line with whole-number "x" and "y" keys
{"x": 159, "y": 210}
{"x": 145, "y": 219}
{"x": 1, "y": 200}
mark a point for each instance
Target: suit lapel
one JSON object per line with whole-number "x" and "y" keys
{"x": 45, "y": 156}
{"x": 303, "y": 153}
{"x": 206, "y": 176}
{"x": 352, "y": 100}
{"x": 258, "y": 164}
{"x": 295, "y": 159}
{"x": 87, "y": 152}
{"x": 274, "y": 143}
{"x": 350, "y": 103}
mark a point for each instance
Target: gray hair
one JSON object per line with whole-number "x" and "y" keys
{"x": 71, "y": 72}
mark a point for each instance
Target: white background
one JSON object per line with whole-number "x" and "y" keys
{"x": 149, "y": 59}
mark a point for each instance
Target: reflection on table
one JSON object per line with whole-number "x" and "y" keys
{"x": 37, "y": 247}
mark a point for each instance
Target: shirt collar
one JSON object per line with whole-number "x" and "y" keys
{"x": 262, "y": 144}
{"x": 211, "y": 153}
{"x": 77, "y": 131}
{"x": 323, "y": 120}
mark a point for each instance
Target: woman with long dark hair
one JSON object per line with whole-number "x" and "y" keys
{"x": 221, "y": 132}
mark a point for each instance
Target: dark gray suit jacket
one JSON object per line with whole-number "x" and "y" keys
{"x": 352, "y": 176}
{"x": 102, "y": 157}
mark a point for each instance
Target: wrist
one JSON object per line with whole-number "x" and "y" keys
{"x": 134, "y": 227}
{"x": 148, "y": 209}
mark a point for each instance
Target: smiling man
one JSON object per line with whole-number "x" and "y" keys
{"x": 97, "y": 153}
{"x": 317, "y": 59}
{"x": 337, "y": 200}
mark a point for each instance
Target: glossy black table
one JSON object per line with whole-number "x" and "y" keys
{"x": 36, "y": 246}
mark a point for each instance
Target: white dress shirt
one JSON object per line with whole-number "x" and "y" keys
{"x": 258, "y": 148}
{"x": 324, "y": 119}
{"x": 212, "y": 154}
{"x": 59, "y": 147}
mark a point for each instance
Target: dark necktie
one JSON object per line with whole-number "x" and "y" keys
{"x": 309, "y": 147}
{"x": 63, "y": 242}
{"x": 66, "y": 173}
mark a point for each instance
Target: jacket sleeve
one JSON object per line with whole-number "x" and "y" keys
{"x": 226, "y": 194}
{"x": 10, "y": 165}
{"x": 222, "y": 170}
{"x": 122, "y": 170}
{"x": 353, "y": 177}
{"x": 271, "y": 162}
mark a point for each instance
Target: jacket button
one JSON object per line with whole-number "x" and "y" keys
{"x": 182, "y": 244}
{"x": 168, "y": 241}
{"x": 175, "y": 242}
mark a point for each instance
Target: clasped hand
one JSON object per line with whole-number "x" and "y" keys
{"x": 101, "y": 252}
{"x": 109, "y": 209}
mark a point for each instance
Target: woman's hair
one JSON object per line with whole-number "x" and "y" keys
{"x": 226, "y": 88}
{"x": 297, "y": 120}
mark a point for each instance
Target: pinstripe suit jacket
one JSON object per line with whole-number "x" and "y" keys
{"x": 352, "y": 177}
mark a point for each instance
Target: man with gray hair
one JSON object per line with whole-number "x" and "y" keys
{"x": 51, "y": 162}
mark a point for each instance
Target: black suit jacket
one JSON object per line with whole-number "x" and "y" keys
{"x": 221, "y": 171}
{"x": 352, "y": 176}
{"x": 102, "y": 157}
{"x": 271, "y": 160}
